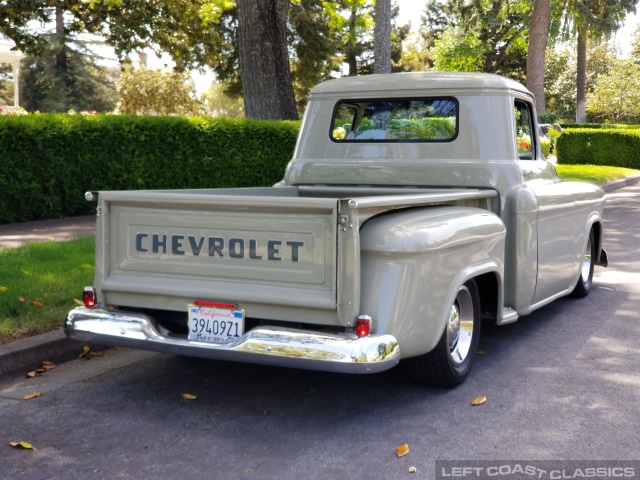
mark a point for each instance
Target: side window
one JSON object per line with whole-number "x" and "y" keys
{"x": 524, "y": 131}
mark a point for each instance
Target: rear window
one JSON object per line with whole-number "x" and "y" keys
{"x": 397, "y": 120}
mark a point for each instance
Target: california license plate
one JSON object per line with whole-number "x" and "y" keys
{"x": 215, "y": 324}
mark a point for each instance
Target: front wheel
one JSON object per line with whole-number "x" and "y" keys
{"x": 585, "y": 277}
{"x": 449, "y": 363}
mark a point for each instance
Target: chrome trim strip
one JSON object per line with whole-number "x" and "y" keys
{"x": 275, "y": 346}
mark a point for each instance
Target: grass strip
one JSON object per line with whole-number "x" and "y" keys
{"x": 39, "y": 283}
{"x": 597, "y": 174}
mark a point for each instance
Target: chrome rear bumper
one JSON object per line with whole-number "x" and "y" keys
{"x": 263, "y": 345}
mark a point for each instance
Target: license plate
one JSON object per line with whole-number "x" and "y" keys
{"x": 215, "y": 324}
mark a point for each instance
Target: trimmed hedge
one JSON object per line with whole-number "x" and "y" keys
{"x": 48, "y": 161}
{"x": 593, "y": 146}
{"x": 605, "y": 126}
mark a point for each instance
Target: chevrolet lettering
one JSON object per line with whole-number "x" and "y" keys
{"x": 403, "y": 220}
{"x": 176, "y": 244}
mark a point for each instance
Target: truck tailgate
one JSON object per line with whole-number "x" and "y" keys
{"x": 259, "y": 248}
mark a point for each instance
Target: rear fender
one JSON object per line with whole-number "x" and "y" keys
{"x": 413, "y": 262}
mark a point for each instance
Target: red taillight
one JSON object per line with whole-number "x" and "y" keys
{"x": 89, "y": 297}
{"x": 363, "y": 326}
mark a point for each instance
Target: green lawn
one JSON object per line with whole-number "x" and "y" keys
{"x": 38, "y": 285}
{"x": 41, "y": 282}
{"x": 594, "y": 173}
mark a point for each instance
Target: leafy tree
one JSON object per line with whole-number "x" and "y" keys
{"x": 6, "y": 85}
{"x": 83, "y": 85}
{"x": 495, "y": 33}
{"x": 313, "y": 46}
{"x": 458, "y": 50}
{"x": 17, "y": 16}
{"x": 560, "y": 86}
{"x": 616, "y": 95}
{"x": 635, "y": 46}
{"x": 416, "y": 56}
{"x": 561, "y": 71}
{"x": 152, "y": 92}
{"x": 352, "y": 21}
{"x": 218, "y": 104}
{"x": 70, "y": 79}
{"x": 592, "y": 19}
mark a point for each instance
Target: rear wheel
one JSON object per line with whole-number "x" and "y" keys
{"x": 449, "y": 363}
{"x": 585, "y": 277}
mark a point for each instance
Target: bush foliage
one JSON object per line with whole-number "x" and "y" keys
{"x": 614, "y": 147}
{"x": 49, "y": 161}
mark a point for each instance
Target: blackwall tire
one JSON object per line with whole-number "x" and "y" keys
{"x": 450, "y": 362}
{"x": 585, "y": 276}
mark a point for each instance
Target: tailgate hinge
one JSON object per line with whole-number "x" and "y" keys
{"x": 344, "y": 221}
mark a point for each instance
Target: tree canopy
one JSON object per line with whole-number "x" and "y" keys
{"x": 272, "y": 52}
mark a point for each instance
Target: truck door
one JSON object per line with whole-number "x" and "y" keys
{"x": 556, "y": 222}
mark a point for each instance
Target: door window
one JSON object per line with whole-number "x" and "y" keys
{"x": 524, "y": 131}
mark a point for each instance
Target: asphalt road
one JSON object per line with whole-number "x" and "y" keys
{"x": 562, "y": 383}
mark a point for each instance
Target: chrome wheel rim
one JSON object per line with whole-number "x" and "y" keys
{"x": 460, "y": 326}
{"x": 586, "y": 262}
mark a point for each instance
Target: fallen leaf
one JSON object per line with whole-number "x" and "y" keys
{"x": 32, "y": 396}
{"x": 402, "y": 450}
{"x": 37, "y": 304}
{"x": 25, "y": 445}
{"x": 413, "y": 469}
{"x": 79, "y": 302}
{"x": 85, "y": 352}
{"x": 3, "y": 289}
{"x": 22, "y": 298}
{"x": 478, "y": 401}
{"x": 47, "y": 365}
{"x": 188, "y": 396}
{"x": 51, "y": 238}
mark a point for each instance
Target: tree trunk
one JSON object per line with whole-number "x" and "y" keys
{"x": 536, "y": 51}
{"x": 264, "y": 59}
{"x": 382, "y": 37}
{"x": 350, "y": 49}
{"x": 581, "y": 80}
{"x": 61, "y": 56}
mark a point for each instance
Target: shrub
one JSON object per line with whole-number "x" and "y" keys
{"x": 597, "y": 146}
{"x": 49, "y": 161}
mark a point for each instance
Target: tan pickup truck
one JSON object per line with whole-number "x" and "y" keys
{"x": 416, "y": 206}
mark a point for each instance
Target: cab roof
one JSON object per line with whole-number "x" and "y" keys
{"x": 399, "y": 84}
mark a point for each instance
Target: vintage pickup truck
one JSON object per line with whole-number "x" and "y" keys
{"x": 416, "y": 206}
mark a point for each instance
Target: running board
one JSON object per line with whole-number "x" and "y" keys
{"x": 509, "y": 315}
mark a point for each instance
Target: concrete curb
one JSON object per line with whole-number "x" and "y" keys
{"x": 618, "y": 184}
{"x": 22, "y": 356}
{"x": 19, "y": 357}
